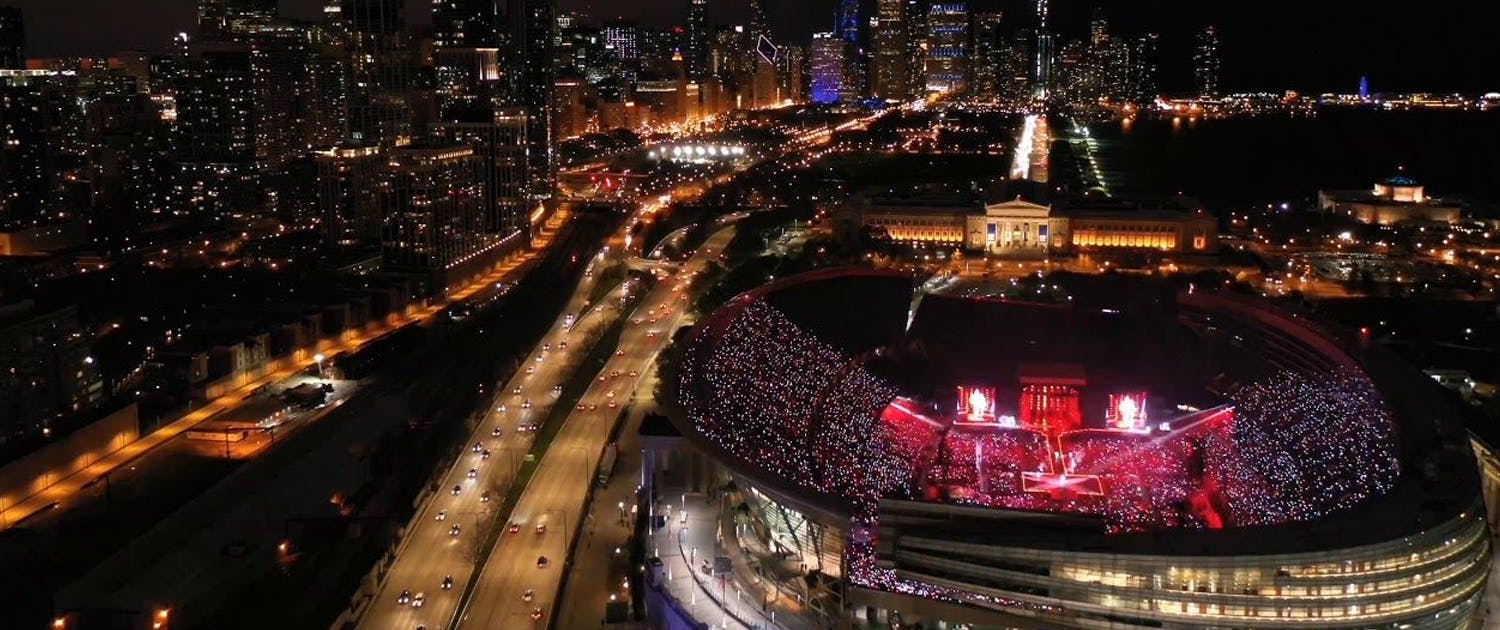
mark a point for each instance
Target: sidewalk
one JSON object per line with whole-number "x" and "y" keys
{"x": 720, "y": 587}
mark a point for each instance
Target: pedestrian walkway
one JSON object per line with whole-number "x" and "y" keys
{"x": 688, "y": 551}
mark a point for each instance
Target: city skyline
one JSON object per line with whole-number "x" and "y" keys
{"x": 1328, "y": 49}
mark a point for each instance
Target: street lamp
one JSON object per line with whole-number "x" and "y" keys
{"x": 319, "y": 359}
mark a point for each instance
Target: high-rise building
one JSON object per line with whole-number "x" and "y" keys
{"x": 529, "y": 42}
{"x": 828, "y": 56}
{"x": 892, "y": 62}
{"x": 984, "y": 53}
{"x": 464, "y": 24}
{"x": 379, "y": 78}
{"x": 1140, "y": 68}
{"x": 12, "y": 39}
{"x": 1098, "y": 28}
{"x": 947, "y": 47}
{"x": 282, "y": 65}
{"x": 1013, "y": 61}
{"x": 349, "y": 178}
{"x": 1206, "y": 62}
{"x": 916, "y": 47}
{"x": 23, "y": 142}
{"x": 848, "y": 22}
{"x": 695, "y": 54}
{"x": 218, "y": 174}
{"x": 433, "y": 204}
{"x": 1042, "y": 73}
{"x": 498, "y": 138}
{"x": 793, "y": 85}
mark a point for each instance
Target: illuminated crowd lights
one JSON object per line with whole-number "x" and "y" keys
{"x": 1302, "y": 447}
{"x": 1293, "y": 447}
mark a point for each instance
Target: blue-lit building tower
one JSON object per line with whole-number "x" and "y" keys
{"x": 828, "y": 54}
{"x": 848, "y": 22}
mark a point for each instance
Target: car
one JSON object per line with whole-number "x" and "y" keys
{"x": 541, "y": 528}
{"x": 653, "y": 320}
{"x": 442, "y": 515}
{"x": 473, "y": 473}
{"x": 593, "y": 406}
{"x": 514, "y": 527}
{"x": 531, "y": 369}
{"x": 526, "y": 404}
{"x": 453, "y": 531}
{"x": 613, "y": 404}
{"x": 557, "y": 389}
{"x": 457, "y": 489}
{"x": 650, "y": 334}
{"x": 620, "y": 352}
{"x": 609, "y": 394}
{"x": 536, "y": 614}
{"x": 636, "y": 320}
{"x": 418, "y": 599}
{"x": 541, "y": 562}
{"x": 501, "y": 408}
{"x": 477, "y": 447}
{"x": 495, "y": 432}
{"x": 562, "y": 345}
{"x": 516, "y": 389}
{"x": 447, "y": 582}
{"x": 484, "y": 454}
{"x": 527, "y": 595}
{"x": 581, "y": 407}
{"x": 602, "y": 377}
{"x": 404, "y": 598}
{"x": 484, "y": 497}
{"x": 546, "y": 346}
{"x": 634, "y": 373}
{"x": 539, "y": 358}
{"x": 614, "y": 373}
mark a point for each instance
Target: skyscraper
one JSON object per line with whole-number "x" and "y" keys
{"x": 12, "y": 39}
{"x": 892, "y": 67}
{"x": 349, "y": 194}
{"x": 696, "y": 53}
{"x": 1140, "y": 68}
{"x": 528, "y": 38}
{"x": 498, "y": 138}
{"x": 1206, "y": 62}
{"x": 828, "y": 55}
{"x": 947, "y": 47}
{"x": 1042, "y": 76}
{"x": 848, "y": 22}
{"x": 217, "y": 170}
{"x": 464, "y": 24}
{"x": 916, "y": 46}
{"x": 376, "y": 44}
{"x": 984, "y": 53}
{"x": 433, "y": 208}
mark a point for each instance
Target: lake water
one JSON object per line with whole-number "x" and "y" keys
{"x": 1232, "y": 162}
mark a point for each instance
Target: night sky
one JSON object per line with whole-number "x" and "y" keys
{"x": 1311, "y": 45}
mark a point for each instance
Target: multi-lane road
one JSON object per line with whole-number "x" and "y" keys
{"x": 555, "y": 497}
{"x": 430, "y": 550}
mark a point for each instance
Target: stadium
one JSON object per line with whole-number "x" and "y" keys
{"x": 1114, "y": 453}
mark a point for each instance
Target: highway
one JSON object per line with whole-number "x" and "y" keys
{"x": 430, "y": 551}
{"x": 555, "y": 496}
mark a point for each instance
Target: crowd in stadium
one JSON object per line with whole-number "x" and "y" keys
{"x": 1294, "y": 448}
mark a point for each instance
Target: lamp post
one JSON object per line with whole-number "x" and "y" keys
{"x": 319, "y": 359}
